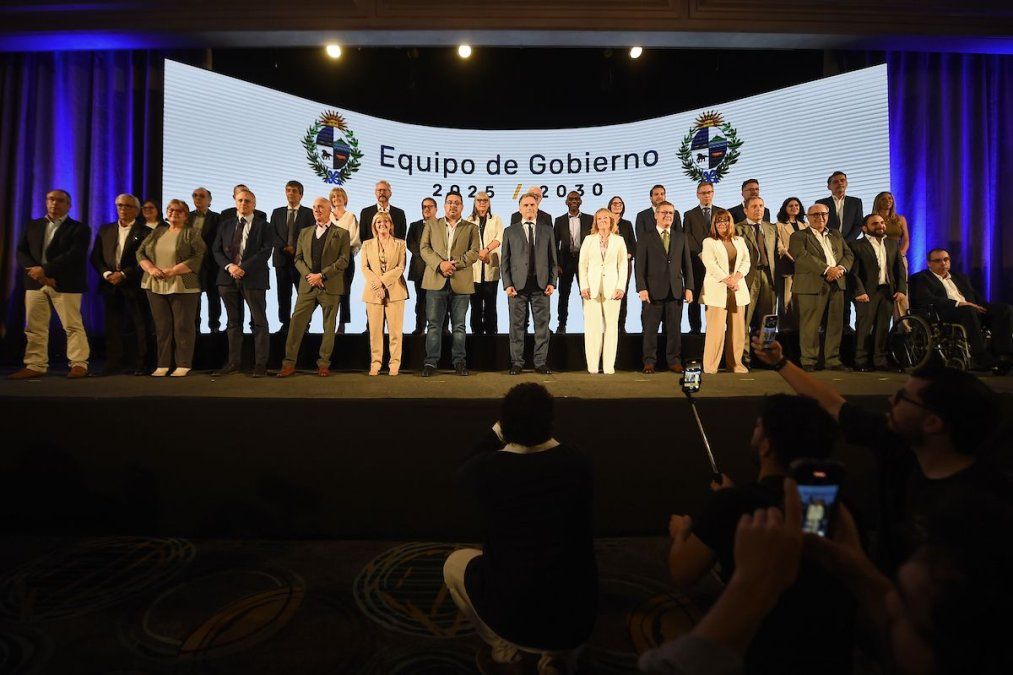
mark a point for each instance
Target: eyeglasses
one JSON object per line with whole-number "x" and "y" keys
{"x": 901, "y": 395}
{"x": 940, "y": 260}
{"x": 167, "y": 211}
{"x": 125, "y": 206}
{"x": 481, "y": 200}
{"x": 820, "y": 214}
{"x": 667, "y": 213}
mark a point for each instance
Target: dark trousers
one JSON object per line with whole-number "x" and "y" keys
{"x": 437, "y": 303}
{"x": 345, "y": 309}
{"x": 626, "y": 294}
{"x": 540, "y": 312}
{"x": 126, "y": 316}
{"x": 233, "y": 296}
{"x": 652, "y": 315}
{"x": 287, "y": 277}
{"x": 999, "y": 320}
{"x": 693, "y": 310}
{"x": 420, "y": 306}
{"x": 175, "y": 328}
{"x": 873, "y": 327}
{"x": 565, "y": 282}
{"x": 483, "y": 308}
{"x": 762, "y": 301}
{"x": 816, "y": 310}
{"x": 210, "y": 291}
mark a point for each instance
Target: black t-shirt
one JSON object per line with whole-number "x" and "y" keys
{"x": 536, "y": 582}
{"x": 811, "y": 629}
{"x": 907, "y": 498}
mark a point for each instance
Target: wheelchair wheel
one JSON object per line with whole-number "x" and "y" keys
{"x": 911, "y": 342}
{"x": 956, "y": 363}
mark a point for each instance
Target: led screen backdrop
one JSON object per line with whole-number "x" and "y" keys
{"x": 790, "y": 139}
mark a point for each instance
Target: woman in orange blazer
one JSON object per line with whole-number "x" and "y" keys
{"x": 383, "y": 260}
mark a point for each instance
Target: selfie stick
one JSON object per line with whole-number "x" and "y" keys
{"x": 715, "y": 474}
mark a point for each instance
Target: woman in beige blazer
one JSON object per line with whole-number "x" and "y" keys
{"x": 725, "y": 293}
{"x": 486, "y": 269}
{"x": 602, "y": 273}
{"x": 383, "y": 261}
{"x": 171, "y": 258}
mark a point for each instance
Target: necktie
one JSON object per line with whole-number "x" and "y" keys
{"x": 291, "y": 228}
{"x": 665, "y": 239}
{"x": 761, "y": 244}
{"x": 531, "y": 249}
{"x": 707, "y": 215}
{"x": 237, "y": 241}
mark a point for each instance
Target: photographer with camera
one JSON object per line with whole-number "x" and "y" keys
{"x": 930, "y": 445}
{"x": 811, "y": 626}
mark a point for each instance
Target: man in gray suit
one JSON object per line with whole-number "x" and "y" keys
{"x": 822, "y": 262}
{"x": 450, "y": 247}
{"x": 528, "y": 269}
{"x": 761, "y": 240}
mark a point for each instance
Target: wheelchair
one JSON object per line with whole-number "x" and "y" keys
{"x": 915, "y": 340}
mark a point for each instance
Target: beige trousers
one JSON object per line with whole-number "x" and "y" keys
{"x": 718, "y": 319}
{"x": 375, "y": 314}
{"x": 601, "y": 316}
{"x": 38, "y": 311}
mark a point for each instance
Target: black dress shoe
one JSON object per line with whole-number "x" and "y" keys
{"x": 260, "y": 371}
{"x": 543, "y": 370}
{"x": 515, "y": 370}
{"x": 865, "y": 369}
{"x": 227, "y": 370}
{"x": 140, "y": 372}
{"x": 461, "y": 369}
{"x": 427, "y": 371}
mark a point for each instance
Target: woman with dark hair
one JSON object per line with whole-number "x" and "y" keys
{"x": 151, "y": 215}
{"x": 896, "y": 229}
{"x": 618, "y": 208}
{"x": 790, "y": 219}
{"x": 725, "y": 293}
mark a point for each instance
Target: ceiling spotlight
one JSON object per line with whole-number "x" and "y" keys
{"x": 464, "y": 51}
{"x": 333, "y": 51}
{"x": 635, "y": 52}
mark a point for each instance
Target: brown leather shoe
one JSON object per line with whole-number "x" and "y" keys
{"x": 677, "y": 368}
{"x": 25, "y": 374}
{"x": 77, "y": 372}
{"x": 324, "y": 371}
{"x": 649, "y": 369}
{"x": 286, "y": 371}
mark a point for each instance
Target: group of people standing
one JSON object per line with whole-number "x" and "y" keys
{"x": 807, "y": 268}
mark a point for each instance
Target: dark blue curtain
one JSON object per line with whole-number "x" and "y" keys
{"x": 951, "y": 147}
{"x": 87, "y": 122}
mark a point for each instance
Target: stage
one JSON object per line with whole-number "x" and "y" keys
{"x": 353, "y": 456}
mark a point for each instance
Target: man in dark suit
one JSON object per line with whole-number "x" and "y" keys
{"x": 761, "y": 242}
{"x": 953, "y": 298}
{"x": 231, "y": 211}
{"x": 528, "y": 267}
{"x": 646, "y": 219}
{"x": 845, "y": 217}
{"x": 570, "y": 230}
{"x": 750, "y": 188}
{"x": 383, "y": 193}
{"x": 114, "y": 257}
{"x": 878, "y": 281}
{"x": 822, "y": 260}
{"x": 664, "y": 273}
{"x": 542, "y": 217}
{"x": 417, "y": 266}
{"x": 287, "y": 222}
{"x": 242, "y": 249}
{"x": 696, "y": 226}
{"x": 207, "y": 222}
{"x": 53, "y": 254}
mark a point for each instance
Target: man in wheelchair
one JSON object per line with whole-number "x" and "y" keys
{"x": 951, "y": 296}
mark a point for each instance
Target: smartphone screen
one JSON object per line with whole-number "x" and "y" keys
{"x": 691, "y": 379}
{"x": 817, "y": 507}
{"x": 769, "y": 331}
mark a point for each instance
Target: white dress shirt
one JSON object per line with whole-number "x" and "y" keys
{"x": 575, "y": 233}
{"x": 246, "y": 234}
{"x": 952, "y": 292}
{"x": 880, "y": 249}
{"x": 828, "y": 250}
{"x": 322, "y": 229}
{"x": 451, "y": 230}
{"x": 529, "y": 226}
{"x": 122, "y": 232}
{"x": 839, "y": 208}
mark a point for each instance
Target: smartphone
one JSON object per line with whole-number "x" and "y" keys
{"x": 691, "y": 377}
{"x": 768, "y": 331}
{"x": 819, "y": 487}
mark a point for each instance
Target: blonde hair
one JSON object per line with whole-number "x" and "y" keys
{"x": 337, "y": 191}
{"x": 378, "y": 217}
{"x": 180, "y": 203}
{"x": 612, "y": 217}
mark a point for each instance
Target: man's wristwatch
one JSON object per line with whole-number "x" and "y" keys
{"x": 780, "y": 364}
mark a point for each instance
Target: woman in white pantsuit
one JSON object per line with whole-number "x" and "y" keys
{"x": 602, "y": 274}
{"x": 725, "y": 293}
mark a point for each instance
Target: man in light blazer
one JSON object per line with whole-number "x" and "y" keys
{"x": 664, "y": 275}
{"x": 761, "y": 240}
{"x": 697, "y": 226}
{"x": 322, "y": 253}
{"x": 242, "y": 250}
{"x": 822, "y": 260}
{"x": 114, "y": 257}
{"x": 287, "y": 223}
{"x": 845, "y": 217}
{"x": 383, "y": 193}
{"x": 570, "y": 230}
{"x": 450, "y": 248}
{"x": 878, "y": 280}
{"x": 647, "y": 218}
{"x": 528, "y": 269}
